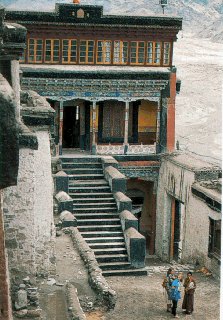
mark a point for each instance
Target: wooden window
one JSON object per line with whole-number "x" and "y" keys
{"x": 120, "y": 52}
{"x": 153, "y": 56}
{"x": 69, "y": 51}
{"x": 166, "y": 53}
{"x": 215, "y": 237}
{"x": 86, "y": 51}
{"x": 52, "y": 50}
{"x": 104, "y": 51}
{"x": 157, "y": 53}
{"x": 35, "y": 50}
{"x": 137, "y": 52}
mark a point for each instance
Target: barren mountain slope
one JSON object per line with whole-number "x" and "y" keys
{"x": 198, "y": 15}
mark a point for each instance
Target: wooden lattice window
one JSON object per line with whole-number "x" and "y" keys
{"x": 137, "y": 52}
{"x": 120, "y": 52}
{"x": 35, "y": 50}
{"x": 104, "y": 51}
{"x": 52, "y": 50}
{"x": 153, "y": 56}
{"x": 69, "y": 51}
{"x": 166, "y": 53}
{"x": 86, "y": 51}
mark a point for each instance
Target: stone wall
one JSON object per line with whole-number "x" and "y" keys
{"x": 175, "y": 181}
{"x": 28, "y": 211}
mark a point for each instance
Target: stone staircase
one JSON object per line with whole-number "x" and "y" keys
{"x": 97, "y": 218}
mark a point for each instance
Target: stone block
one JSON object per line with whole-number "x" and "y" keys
{"x": 109, "y": 161}
{"x": 68, "y": 219}
{"x": 64, "y": 202}
{"x": 61, "y": 182}
{"x": 116, "y": 179}
{"x": 128, "y": 220}
{"x": 123, "y": 202}
{"x": 136, "y": 247}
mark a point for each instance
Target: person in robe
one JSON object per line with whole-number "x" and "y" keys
{"x": 188, "y": 301}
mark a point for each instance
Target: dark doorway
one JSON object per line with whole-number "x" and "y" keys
{"x": 176, "y": 221}
{"x": 71, "y": 127}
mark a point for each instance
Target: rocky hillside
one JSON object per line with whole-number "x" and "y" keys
{"x": 203, "y": 17}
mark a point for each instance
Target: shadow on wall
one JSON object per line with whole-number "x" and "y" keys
{"x": 141, "y": 194}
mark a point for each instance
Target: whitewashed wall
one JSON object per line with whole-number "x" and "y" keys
{"x": 28, "y": 211}
{"x": 175, "y": 180}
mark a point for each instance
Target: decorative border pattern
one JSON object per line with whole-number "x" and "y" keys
{"x": 132, "y": 149}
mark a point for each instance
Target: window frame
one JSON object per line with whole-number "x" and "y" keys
{"x": 169, "y": 53}
{"x": 69, "y": 51}
{"x": 35, "y": 50}
{"x": 120, "y": 52}
{"x": 137, "y": 53}
{"x": 87, "y": 51}
{"x": 154, "y": 53}
{"x": 212, "y": 239}
{"x": 52, "y": 51}
{"x": 104, "y": 52}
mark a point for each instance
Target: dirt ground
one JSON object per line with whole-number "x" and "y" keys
{"x": 139, "y": 298}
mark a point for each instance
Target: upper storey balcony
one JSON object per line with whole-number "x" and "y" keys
{"x": 82, "y": 35}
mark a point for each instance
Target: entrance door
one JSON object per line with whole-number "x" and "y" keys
{"x": 176, "y": 230}
{"x": 71, "y": 127}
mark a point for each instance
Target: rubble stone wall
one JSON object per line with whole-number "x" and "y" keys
{"x": 28, "y": 211}
{"x": 175, "y": 181}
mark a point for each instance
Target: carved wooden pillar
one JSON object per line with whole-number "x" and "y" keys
{"x": 61, "y": 128}
{"x": 126, "y": 132}
{"x": 158, "y": 128}
{"x": 93, "y": 148}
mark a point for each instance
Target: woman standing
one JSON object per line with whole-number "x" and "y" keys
{"x": 188, "y": 301}
{"x": 176, "y": 294}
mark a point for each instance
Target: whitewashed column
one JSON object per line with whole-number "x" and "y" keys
{"x": 126, "y": 132}
{"x": 61, "y": 128}
{"x": 93, "y": 148}
{"x": 16, "y": 85}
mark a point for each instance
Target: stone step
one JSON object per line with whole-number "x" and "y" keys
{"x": 87, "y": 183}
{"x": 99, "y": 222}
{"x": 100, "y": 228}
{"x": 107, "y": 245}
{"x": 91, "y": 200}
{"x": 67, "y": 165}
{"x": 109, "y": 251}
{"x": 94, "y": 209}
{"x": 81, "y": 159}
{"x": 103, "y": 234}
{"x": 127, "y": 272}
{"x": 97, "y": 240}
{"x": 94, "y": 205}
{"x": 90, "y": 189}
{"x": 115, "y": 265}
{"x": 96, "y": 215}
{"x": 112, "y": 258}
{"x": 88, "y": 194}
{"x": 85, "y": 176}
{"x": 84, "y": 171}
